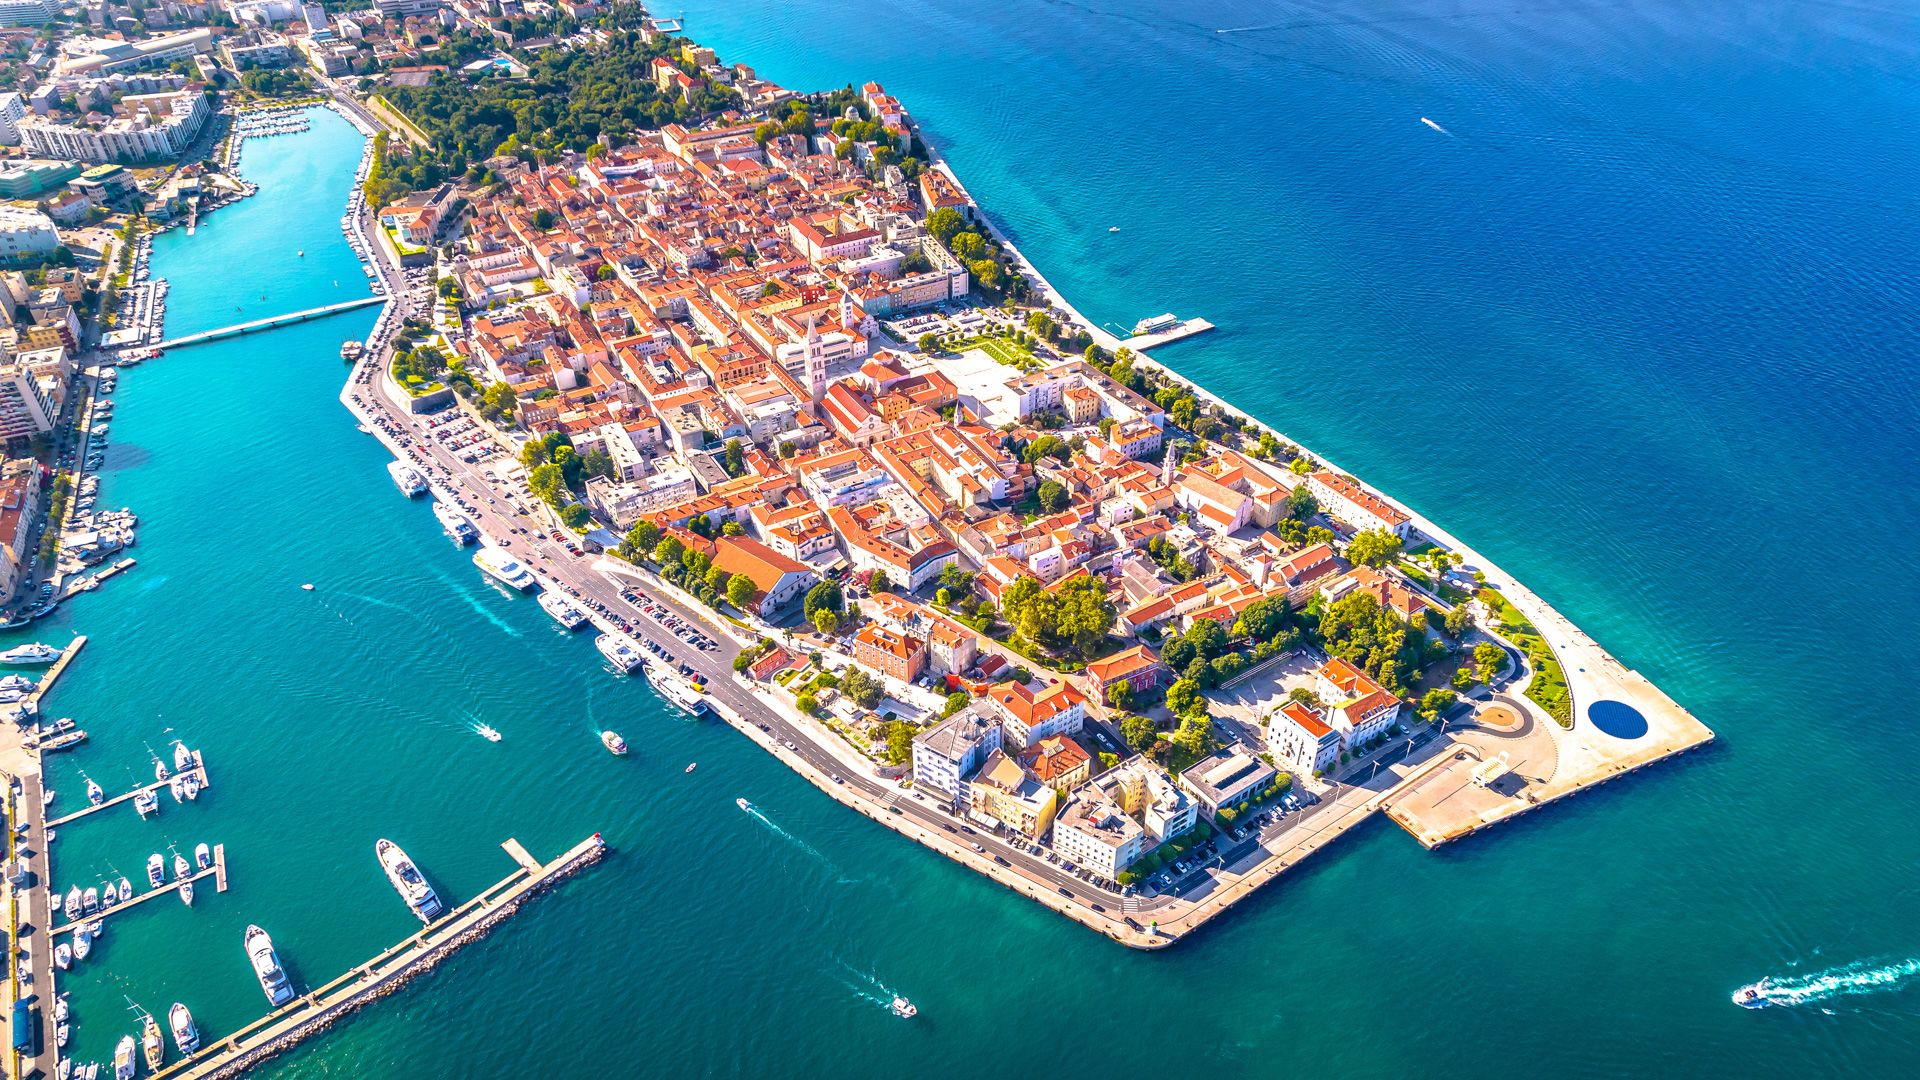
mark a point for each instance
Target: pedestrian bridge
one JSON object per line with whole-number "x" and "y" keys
{"x": 266, "y": 324}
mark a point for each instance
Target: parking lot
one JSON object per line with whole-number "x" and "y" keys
{"x": 462, "y": 436}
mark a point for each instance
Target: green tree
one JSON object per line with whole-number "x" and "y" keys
{"x": 734, "y": 458}
{"x": 824, "y": 595}
{"x": 863, "y": 688}
{"x": 825, "y": 620}
{"x": 1053, "y": 496}
{"x": 929, "y": 342}
{"x": 899, "y": 742}
{"x": 669, "y": 549}
{"x": 642, "y": 537}
{"x": 807, "y": 703}
{"x": 955, "y": 702}
{"x": 1374, "y": 547}
{"x": 1301, "y": 504}
{"x": 548, "y": 483}
{"x": 1119, "y": 695}
{"x": 944, "y": 223}
{"x": 1184, "y": 698}
{"x": 1488, "y": 657}
{"x": 543, "y": 219}
{"x": 741, "y": 591}
{"x": 1138, "y": 732}
{"x": 576, "y": 517}
{"x": 1435, "y": 702}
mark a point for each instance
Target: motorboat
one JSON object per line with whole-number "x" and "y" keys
{"x": 744, "y": 805}
{"x": 185, "y": 1035}
{"x": 186, "y": 892}
{"x": 614, "y": 743}
{"x": 622, "y": 656}
{"x": 126, "y": 890}
{"x": 72, "y": 906}
{"x": 146, "y": 802}
{"x": 60, "y": 1009}
{"x": 266, "y": 967}
{"x": 486, "y": 732}
{"x": 410, "y": 482}
{"x": 46, "y": 798}
{"x": 190, "y": 786}
{"x": 691, "y": 765}
{"x": 16, "y": 682}
{"x": 82, "y": 943}
{"x": 562, "y": 610}
{"x": 903, "y": 1008}
{"x": 152, "y": 1042}
{"x": 202, "y": 856}
{"x": 63, "y": 956}
{"x": 94, "y": 794}
{"x": 156, "y": 870}
{"x": 177, "y": 787}
{"x": 504, "y": 568}
{"x": 457, "y": 525}
{"x": 30, "y": 653}
{"x": 1752, "y": 996}
{"x": 408, "y": 881}
{"x": 62, "y": 1033}
{"x": 124, "y": 1062}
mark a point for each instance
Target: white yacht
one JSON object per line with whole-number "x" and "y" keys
{"x": 266, "y": 967}
{"x": 562, "y": 611}
{"x": 124, "y": 1061}
{"x": 408, "y": 882}
{"x": 31, "y": 653}
{"x": 903, "y": 1008}
{"x": 185, "y": 1035}
{"x": 503, "y": 568}
{"x": 202, "y": 856}
{"x": 146, "y": 802}
{"x": 619, "y": 653}
{"x": 410, "y": 483}
{"x": 675, "y": 689}
{"x": 456, "y": 524}
{"x": 156, "y": 870}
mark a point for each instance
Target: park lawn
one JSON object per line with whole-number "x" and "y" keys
{"x": 1003, "y": 350}
{"x": 1549, "y": 686}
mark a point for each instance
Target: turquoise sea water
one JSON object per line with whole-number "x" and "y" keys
{"x": 1639, "y": 328}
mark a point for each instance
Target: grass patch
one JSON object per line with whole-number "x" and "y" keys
{"x": 1549, "y": 686}
{"x": 1003, "y": 350}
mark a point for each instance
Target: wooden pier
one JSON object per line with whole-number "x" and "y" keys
{"x": 321, "y": 1007}
{"x": 218, "y": 872}
{"x": 58, "y": 669}
{"x": 200, "y": 770}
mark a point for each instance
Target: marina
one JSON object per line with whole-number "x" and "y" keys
{"x": 217, "y": 872}
{"x": 199, "y": 771}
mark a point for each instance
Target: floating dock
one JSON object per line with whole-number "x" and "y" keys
{"x": 320, "y": 1008}
{"x": 201, "y": 770}
{"x": 58, "y": 669}
{"x": 218, "y": 872}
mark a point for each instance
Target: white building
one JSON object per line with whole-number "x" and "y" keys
{"x": 26, "y": 232}
{"x": 946, "y": 755}
{"x": 24, "y": 407}
{"x": 1095, "y": 833}
{"x": 1354, "y": 505}
{"x": 154, "y": 126}
{"x": 13, "y": 108}
{"x": 400, "y": 8}
{"x": 627, "y": 501}
{"x": 26, "y": 12}
{"x": 1227, "y": 778}
{"x": 1301, "y": 738}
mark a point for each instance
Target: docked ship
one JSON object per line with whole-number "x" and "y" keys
{"x": 152, "y": 1041}
{"x": 125, "y": 1064}
{"x": 352, "y": 350}
{"x": 185, "y": 1035}
{"x": 562, "y": 611}
{"x": 266, "y": 967}
{"x": 504, "y": 568}
{"x": 1155, "y": 325}
{"x": 156, "y": 870}
{"x": 407, "y": 881}
{"x": 622, "y": 656}
{"x": 456, "y": 524}
{"x": 31, "y": 653}
{"x": 410, "y": 483}
{"x": 675, "y": 689}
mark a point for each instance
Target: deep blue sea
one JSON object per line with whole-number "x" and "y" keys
{"x": 1638, "y": 323}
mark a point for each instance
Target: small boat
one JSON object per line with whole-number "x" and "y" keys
{"x": 266, "y": 967}
{"x": 308, "y": 586}
{"x": 60, "y": 1009}
{"x": 146, "y": 802}
{"x": 202, "y": 856}
{"x": 64, "y": 1070}
{"x": 186, "y": 893}
{"x": 151, "y": 1039}
{"x": 1752, "y": 996}
{"x": 177, "y": 787}
{"x": 691, "y": 765}
{"x": 94, "y": 794}
{"x": 156, "y": 870}
{"x": 903, "y": 1008}
{"x": 160, "y": 772}
{"x": 183, "y": 758}
{"x": 182, "y": 869}
{"x": 744, "y": 805}
{"x": 72, "y": 907}
{"x": 63, "y": 956}
{"x": 613, "y": 742}
{"x": 486, "y": 733}
{"x": 61, "y": 1033}
{"x": 82, "y": 943}
{"x": 124, "y": 1062}
{"x": 126, "y": 890}
{"x": 1113, "y": 228}
{"x": 109, "y": 896}
{"x": 46, "y": 798}
{"x": 190, "y": 786}
{"x": 90, "y": 901}
{"x": 185, "y": 1035}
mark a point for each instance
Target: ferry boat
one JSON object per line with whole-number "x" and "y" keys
{"x": 410, "y": 483}
{"x": 31, "y": 653}
{"x": 614, "y": 743}
{"x": 202, "y": 856}
{"x": 903, "y": 1008}
{"x": 1156, "y": 324}
{"x": 185, "y": 1035}
{"x": 407, "y": 881}
{"x": 124, "y": 1063}
{"x": 352, "y": 350}
{"x": 563, "y": 612}
{"x": 676, "y": 690}
{"x": 156, "y": 870}
{"x": 621, "y": 655}
{"x": 456, "y": 524}
{"x": 152, "y": 1041}
{"x": 266, "y": 967}
{"x": 504, "y": 568}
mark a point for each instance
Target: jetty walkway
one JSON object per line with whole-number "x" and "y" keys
{"x": 322, "y": 1007}
{"x": 218, "y": 872}
{"x": 269, "y": 323}
{"x": 199, "y": 770}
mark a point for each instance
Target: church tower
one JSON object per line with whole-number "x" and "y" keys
{"x": 816, "y": 363}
